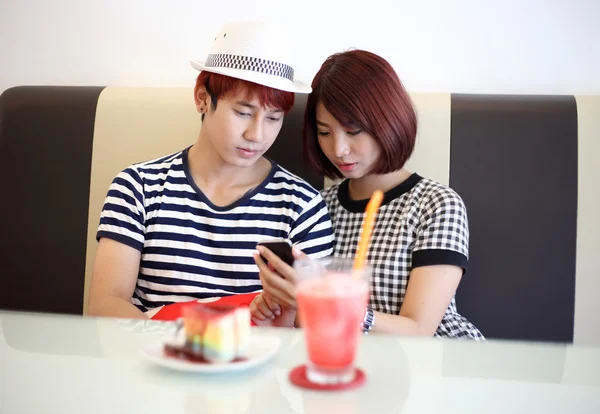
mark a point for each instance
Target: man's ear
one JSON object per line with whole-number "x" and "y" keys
{"x": 201, "y": 98}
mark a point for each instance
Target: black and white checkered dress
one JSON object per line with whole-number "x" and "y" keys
{"x": 420, "y": 223}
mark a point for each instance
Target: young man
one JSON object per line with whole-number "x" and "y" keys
{"x": 185, "y": 226}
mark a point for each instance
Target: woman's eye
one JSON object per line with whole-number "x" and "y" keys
{"x": 323, "y": 133}
{"x": 355, "y": 132}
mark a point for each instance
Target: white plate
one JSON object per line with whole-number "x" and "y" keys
{"x": 261, "y": 348}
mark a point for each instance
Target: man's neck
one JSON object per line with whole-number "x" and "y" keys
{"x": 221, "y": 182}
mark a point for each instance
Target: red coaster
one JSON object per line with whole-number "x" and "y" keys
{"x": 298, "y": 377}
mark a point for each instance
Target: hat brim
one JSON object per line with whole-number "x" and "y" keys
{"x": 264, "y": 79}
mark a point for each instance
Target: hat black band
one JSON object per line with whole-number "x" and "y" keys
{"x": 250, "y": 63}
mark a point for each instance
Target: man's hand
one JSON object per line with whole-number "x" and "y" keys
{"x": 265, "y": 312}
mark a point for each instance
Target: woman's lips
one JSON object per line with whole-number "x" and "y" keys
{"x": 347, "y": 167}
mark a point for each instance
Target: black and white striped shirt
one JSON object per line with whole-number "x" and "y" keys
{"x": 192, "y": 249}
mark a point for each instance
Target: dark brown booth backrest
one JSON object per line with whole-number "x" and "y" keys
{"x": 46, "y": 136}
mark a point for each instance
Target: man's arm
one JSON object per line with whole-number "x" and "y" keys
{"x": 113, "y": 280}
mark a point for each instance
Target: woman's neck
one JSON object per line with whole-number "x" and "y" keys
{"x": 362, "y": 188}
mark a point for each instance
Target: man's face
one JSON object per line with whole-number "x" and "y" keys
{"x": 240, "y": 129}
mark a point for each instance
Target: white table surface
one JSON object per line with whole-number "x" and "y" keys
{"x": 66, "y": 364}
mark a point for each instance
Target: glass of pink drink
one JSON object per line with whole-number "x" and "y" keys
{"x": 331, "y": 304}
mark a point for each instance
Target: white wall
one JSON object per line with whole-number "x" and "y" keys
{"x": 507, "y": 46}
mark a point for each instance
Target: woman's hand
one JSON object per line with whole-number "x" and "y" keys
{"x": 278, "y": 279}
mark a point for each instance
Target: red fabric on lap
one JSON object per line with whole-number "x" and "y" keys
{"x": 174, "y": 311}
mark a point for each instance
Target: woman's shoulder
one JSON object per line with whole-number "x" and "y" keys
{"x": 330, "y": 193}
{"x": 434, "y": 193}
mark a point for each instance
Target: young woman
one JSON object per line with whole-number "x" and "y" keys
{"x": 360, "y": 125}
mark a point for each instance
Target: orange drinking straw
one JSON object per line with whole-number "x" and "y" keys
{"x": 367, "y": 229}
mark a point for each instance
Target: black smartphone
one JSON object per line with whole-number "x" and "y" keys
{"x": 281, "y": 247}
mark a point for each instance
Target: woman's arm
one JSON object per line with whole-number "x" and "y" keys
{"x": 429, "y": 292}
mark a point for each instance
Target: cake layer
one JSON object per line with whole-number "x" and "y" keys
{"x": 217, "y": 334}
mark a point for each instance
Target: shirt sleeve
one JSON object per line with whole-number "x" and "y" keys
{"x": 123, "y": 214}
{"x": 442, "y": 231}
{"x": 312, "y": 231}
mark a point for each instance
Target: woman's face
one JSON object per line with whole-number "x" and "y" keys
{"x": 354, "y": 152}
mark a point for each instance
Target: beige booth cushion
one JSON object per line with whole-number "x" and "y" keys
{"x": 134, "y": 125}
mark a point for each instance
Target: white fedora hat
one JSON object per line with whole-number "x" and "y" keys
{"x": 256, "y": 52}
